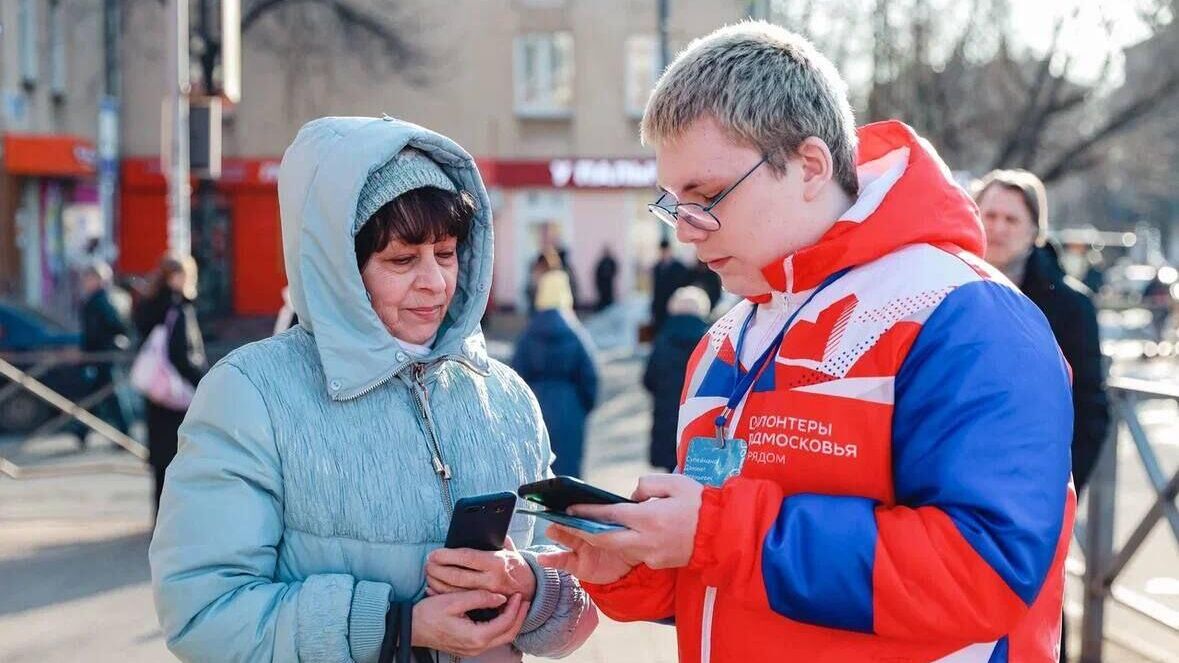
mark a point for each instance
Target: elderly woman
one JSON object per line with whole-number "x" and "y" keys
{"x": 554, "y": 356}
{"x": 318, "y": 469}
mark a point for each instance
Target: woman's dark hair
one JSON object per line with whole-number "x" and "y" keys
{"x": 418, "y": 216}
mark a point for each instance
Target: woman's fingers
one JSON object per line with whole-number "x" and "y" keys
{"x": 435, "y": 587}
{"x": 462, "y": 578}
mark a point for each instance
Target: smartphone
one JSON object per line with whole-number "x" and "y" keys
{"x": 481, "y": 523}
{"x": 560, "y": 493}
{"x": 583, "y": 524}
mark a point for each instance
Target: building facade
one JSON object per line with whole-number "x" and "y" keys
{"x": 546, "y": 94}
{"x": 49, "y": 215}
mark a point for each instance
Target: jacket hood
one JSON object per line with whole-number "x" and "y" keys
{"x": 907, "y": 196}
{"x": 319, "y": 184}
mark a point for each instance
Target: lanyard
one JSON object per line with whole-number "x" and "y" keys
{"x": 744, "y": 382}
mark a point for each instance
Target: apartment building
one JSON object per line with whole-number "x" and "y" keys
{"x": 546, "y": 94}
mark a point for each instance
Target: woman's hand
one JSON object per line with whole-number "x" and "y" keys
{"x": 582, "y": 560}
{"x": 441, "y": 622}
{"x": 502, "y": 572}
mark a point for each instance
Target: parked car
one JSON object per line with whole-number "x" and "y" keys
{"x": 23, "y": 329}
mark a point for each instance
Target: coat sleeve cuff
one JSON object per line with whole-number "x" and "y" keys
{"x": 704, "y": 554}
{"x": 366, "y": 620}
{"x": 548, "y": 593}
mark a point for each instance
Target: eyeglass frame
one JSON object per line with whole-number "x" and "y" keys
{"x": 707, "y": 209}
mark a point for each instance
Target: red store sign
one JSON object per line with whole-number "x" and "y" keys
{"x": 572, "y": 173}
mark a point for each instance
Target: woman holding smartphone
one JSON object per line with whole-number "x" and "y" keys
{"x": 318, "y": 469}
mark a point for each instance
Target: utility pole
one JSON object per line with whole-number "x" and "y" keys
{"x": 664, "y": 59}
{"x": 179, "y": 86}
{"x": 108, "y": 122}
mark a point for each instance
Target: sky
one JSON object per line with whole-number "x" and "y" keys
{"x": 1085, "y": 38}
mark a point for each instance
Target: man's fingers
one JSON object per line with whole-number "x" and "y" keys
{"x": 604, "y": 513}
{"x": 658, "y": 485}
{"x": 567, "y": 536}
{"x": 562, "y": 561}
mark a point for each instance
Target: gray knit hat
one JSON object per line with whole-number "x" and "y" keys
{"x": 410, "y": 169}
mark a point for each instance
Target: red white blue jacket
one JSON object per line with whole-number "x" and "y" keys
{"x": 906, "y": 495}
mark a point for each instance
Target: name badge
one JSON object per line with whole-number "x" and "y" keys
{"x": 712, "y": 464}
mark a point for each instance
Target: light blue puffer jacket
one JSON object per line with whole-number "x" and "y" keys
{"x": 305, "y": 494}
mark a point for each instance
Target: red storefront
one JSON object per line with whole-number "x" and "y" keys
{"x": 249, "y": 190}
{"x": 591, "y": 203}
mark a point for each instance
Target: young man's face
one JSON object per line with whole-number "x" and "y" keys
{"x": 761, "y": 221}
{"x": 1008, "y": 223}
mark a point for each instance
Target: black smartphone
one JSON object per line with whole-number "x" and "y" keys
{"x": 559, "y": 493}
{"x": 481, "y": 523}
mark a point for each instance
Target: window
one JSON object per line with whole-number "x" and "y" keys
{"x": 544, "y": 74}
{"x": 27, "y": 20}
{"x": 642, "y": 51}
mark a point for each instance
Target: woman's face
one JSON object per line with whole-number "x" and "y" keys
{"x": 411, "y": 286}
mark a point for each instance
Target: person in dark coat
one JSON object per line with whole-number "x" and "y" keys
{"x": 668, "y": 275}
{"x": 553, "y": 355}
{"x": 1014, "y": 214}
{"x": 170, "y": 302}
{"x": 1014, "y": 211}
{"x": 105, "y": 328}
{"x": 707, "y": 280}
{"x": 605, "y": 273}
{"x": 664, "y": 377}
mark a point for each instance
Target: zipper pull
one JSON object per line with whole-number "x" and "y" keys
{"x": 441, "y": 468}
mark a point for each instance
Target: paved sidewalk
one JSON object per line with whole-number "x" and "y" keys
{"x": 74, "y": 582}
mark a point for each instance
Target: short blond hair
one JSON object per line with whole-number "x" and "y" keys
{"x": 553, "y": 291}
{"x": 767, "y": 87}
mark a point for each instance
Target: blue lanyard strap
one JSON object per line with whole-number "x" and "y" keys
{"x": 745, "y": 381}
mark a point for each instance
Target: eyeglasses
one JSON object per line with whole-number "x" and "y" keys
{"x": 696, "y": 215}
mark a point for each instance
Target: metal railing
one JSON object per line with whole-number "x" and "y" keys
{"x": 1103, "y": 563}
{"x": 29, "y": 379}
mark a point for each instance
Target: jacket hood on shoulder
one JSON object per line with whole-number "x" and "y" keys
{"x": 907, "y": 196}
{"x": 319, "y": 185}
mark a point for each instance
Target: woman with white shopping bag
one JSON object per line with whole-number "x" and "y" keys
{"x": 171, "y": 359}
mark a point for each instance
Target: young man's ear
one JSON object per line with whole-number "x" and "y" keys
{"x": 818, "y": 167}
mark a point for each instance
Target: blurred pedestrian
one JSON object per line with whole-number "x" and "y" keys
{"x": 308, "y": 506}
{"x": 106, "y": 328}
{"x": 605, "y": 273}
{"x": 546, "y": 261}
{"x": 707, "y": 280}
{"x": 667, "y": 276}
{"x": 664, "y": 377}
{"x": 170, "y": 303}
{"x": 554, "y": 357}
{"x": 1014, "y": 211}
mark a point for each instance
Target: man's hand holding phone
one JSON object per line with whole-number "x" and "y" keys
{"x": 660, "y": 531}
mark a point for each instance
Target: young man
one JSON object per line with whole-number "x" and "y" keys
{"x": 891, "y": 478}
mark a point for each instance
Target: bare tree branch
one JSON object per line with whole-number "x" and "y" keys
{"x": 1018, "y": 136}
{"x": 1118, "y": 122}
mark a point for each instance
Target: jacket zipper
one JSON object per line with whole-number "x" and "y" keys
{"x": 422, "y": 398}
{"x": 439, "y": 464}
